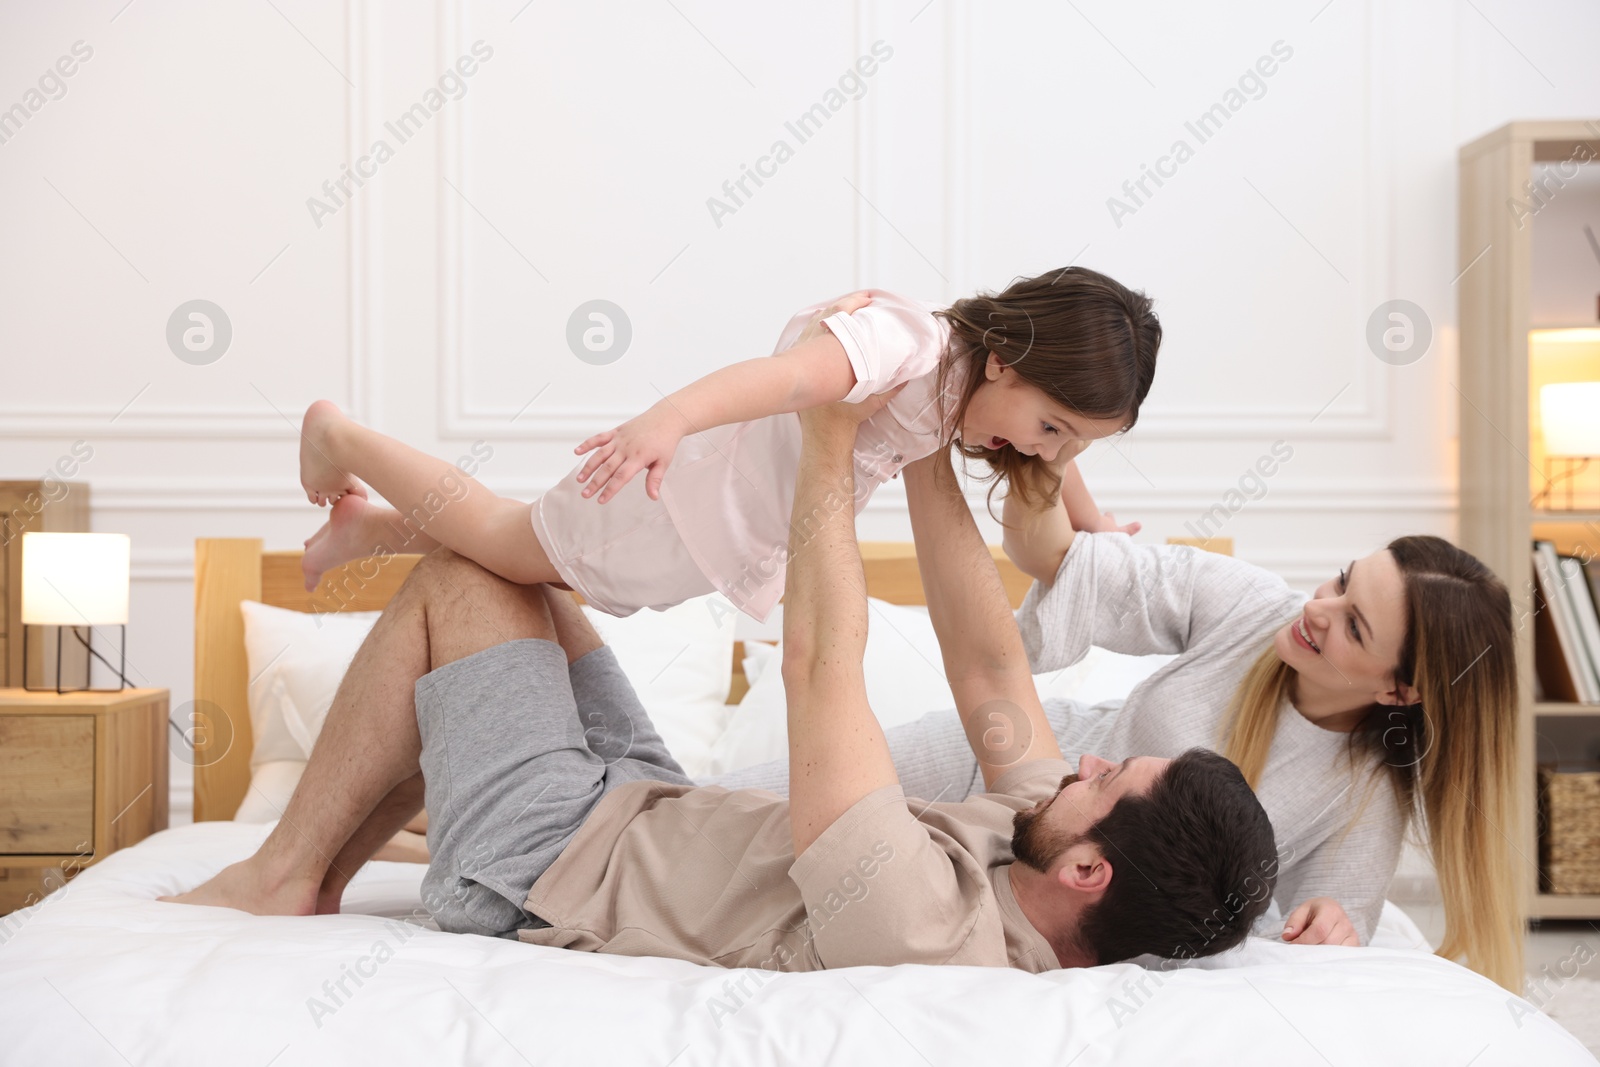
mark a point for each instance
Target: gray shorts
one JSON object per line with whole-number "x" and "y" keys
{"x": 517, "y": 749}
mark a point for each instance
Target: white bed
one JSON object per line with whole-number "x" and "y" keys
{"x": 101, "y": 972}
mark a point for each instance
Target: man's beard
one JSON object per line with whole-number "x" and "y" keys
{"x": 1032, "y": 842}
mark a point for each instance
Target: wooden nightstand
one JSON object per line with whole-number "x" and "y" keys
{"x": 81, "y": 775}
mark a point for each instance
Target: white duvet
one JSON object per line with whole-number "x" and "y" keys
{"x": 101, "y": 972}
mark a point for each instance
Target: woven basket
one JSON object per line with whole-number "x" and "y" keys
{"x": 1569, "y": 828}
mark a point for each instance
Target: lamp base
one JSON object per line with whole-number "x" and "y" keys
{"x": 1545, "y": 498}
{"x": 88, "y": 671}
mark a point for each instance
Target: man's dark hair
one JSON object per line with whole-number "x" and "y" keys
{"x": 1194, "y": 861}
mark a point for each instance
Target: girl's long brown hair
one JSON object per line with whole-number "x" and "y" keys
{"x": 1451, "y": 758}
{"x": 1086, "y": 340}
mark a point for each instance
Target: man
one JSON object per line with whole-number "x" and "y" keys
{"x": 557, "y": 815}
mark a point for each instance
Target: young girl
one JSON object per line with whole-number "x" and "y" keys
{"x": 1050, "y": 363}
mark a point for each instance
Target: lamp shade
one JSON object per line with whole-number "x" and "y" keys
{"x": 75, "y": 579}
{"x": 1570, "y": 412}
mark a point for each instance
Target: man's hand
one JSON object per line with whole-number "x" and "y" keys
{"x": 1320, "y": 921}
{"x": 847, "y": 303}
{"x": 841, "y": 418}
{"x": 647, "y": 442}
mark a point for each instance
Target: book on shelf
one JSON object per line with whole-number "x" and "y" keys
{"x": 1567, "y": 625}
{"x": 1583, "y": 606}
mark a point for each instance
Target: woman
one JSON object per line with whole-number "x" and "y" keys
{"x": 1387, "y": 698}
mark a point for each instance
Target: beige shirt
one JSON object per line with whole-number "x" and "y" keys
{"x": 709, "y": 875}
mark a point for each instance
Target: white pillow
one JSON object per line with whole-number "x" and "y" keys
{"x": 296, "y": 661}
{"x": 271, "y": 785}
{"x": 680, "y": 662}
{"x": 758, "y": 655}
{"x": 904, "y": 672}
{"x": 683, "y": 655}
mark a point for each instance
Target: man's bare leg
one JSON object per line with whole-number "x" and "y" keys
{"x": 337, "y": 455}
{"x": 369, "y": 746}
{"x": 473, "y": 611}
{"x": 376, "y": 838}
{"x": 398, "y": 824}
{"x": 573, "y": 629}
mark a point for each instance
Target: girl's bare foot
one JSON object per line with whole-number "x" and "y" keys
{"x": 323, "y": 480}
{"x": 347, "y": 535}
{"x": 247, "y": 887}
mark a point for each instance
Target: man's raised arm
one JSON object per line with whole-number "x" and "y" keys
{"x": 984, "y": 660}
{"x": 837, "y": 751}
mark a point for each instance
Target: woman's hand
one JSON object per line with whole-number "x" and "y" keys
{"x": 1107, "y": 522}
{"x": 647, "y": 442}
{"x": 1320, "y": 921}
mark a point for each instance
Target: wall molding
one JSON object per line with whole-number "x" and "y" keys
{"x": 222, "y": 494}
{"x": 92, "y": 422}
{"x": 1371, "y": 421}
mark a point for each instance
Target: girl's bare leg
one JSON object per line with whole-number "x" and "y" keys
{"x": 357, "y": 528}
{"x": 432, "y": 497}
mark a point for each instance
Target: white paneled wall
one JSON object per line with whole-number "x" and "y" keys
{"x": 1269, "y": 172}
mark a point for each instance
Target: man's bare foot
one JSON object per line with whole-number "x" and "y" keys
{"x": 347, "y": 535}
{"x": 245, "y": 887}
{"x": 323, "y": 480}
{"x": 330, "y": 896}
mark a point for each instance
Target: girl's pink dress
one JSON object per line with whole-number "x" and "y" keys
{"x": 722, "y": 523}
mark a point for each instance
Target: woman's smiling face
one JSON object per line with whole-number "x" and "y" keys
{"x": 1007, "y": 410}
{"x": 1348, "y": 637}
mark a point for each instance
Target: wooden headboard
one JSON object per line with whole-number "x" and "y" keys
{"x": 228, "y": 570}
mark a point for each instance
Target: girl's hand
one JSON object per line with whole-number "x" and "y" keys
{"x": 644, "y": 443}
{"x": 1102, "y": 522}
{"x": 1320, "y": 921}
{"x": 1071, "y": 449}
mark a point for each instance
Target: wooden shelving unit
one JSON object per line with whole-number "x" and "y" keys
{"x": 1499, "y": 475}
{"x": 1544, "y": 709}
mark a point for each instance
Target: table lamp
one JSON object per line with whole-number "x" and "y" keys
{"x": 1570, "y": 414}
{"x": 72, "y": 580}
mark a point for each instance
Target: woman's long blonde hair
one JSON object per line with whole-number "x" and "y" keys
{"x": 1451, "y": 757}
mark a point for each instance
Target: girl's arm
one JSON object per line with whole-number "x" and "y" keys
{"x": 1037, "y": 541}
{"x": 1082, "y": 511}
{"x": 813, "y": 372}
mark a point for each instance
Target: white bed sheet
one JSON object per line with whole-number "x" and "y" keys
{"x": 101, "y": 972}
